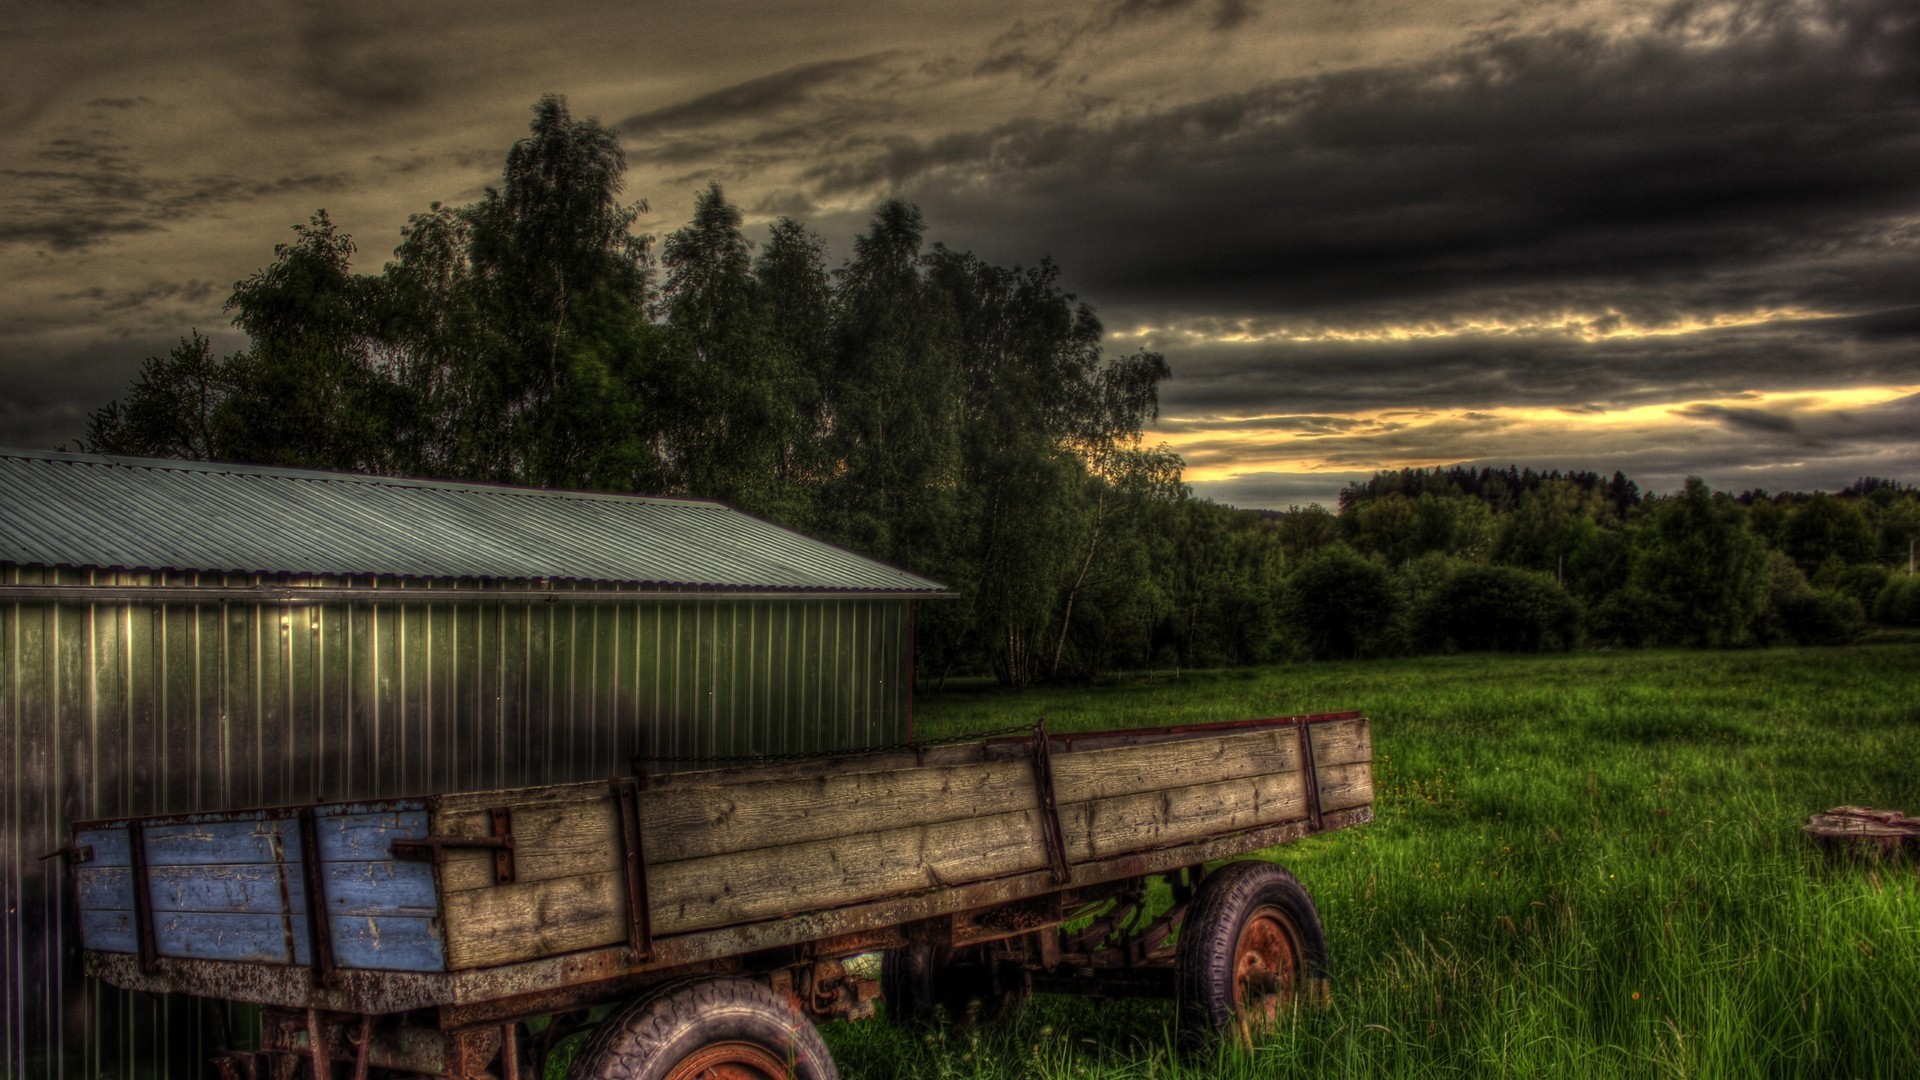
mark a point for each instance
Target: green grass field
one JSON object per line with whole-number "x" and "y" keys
{"x": 1582, "y": 865}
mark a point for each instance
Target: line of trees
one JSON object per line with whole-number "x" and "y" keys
{"x": 953, "y": 417}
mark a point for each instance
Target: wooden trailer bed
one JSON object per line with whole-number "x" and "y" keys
{"x": 490, "y": 907}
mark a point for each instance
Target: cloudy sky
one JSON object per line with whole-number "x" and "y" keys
{"x": 1667, "y": 238}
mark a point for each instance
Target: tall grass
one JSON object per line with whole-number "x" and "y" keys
{"x": 1586, "y": 865}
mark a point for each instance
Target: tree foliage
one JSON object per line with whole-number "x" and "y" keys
{"x": 955, "y": 417}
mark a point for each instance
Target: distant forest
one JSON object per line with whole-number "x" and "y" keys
{"x": 961, "y": 420}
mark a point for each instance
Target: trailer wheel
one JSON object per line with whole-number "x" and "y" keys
{"x": 1250, "y": 947}
{"x": 917, "y": 979}
{"x": 707, "y": 1029}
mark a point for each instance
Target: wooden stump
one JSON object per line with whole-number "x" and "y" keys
{"x": 1861, "y": 830}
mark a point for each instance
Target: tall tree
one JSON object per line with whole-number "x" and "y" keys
{"x": 171, "y": 408}
{"x": 735, "y": 412}
{"x": 1698, "y": 571}
{"x": 794, "y": 309}
{"x": 308, "y": 392}
{"x": 560, "y": 269}
{"x": 891, "y": 395}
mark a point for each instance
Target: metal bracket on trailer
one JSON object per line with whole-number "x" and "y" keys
{"x": 1042, "y": 759}
{"x": 142, "y": 900}
{"x": 319, "y": 924}
{"x": 1309, "y": 774}
{"x": 434, "y": 848}
{"x": 626, "y": 790}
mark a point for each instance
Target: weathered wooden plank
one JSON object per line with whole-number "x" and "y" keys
{"x": 364, "y": 836}
{"x": 383, "y": 889}
{"x": 465, "y": 871}
{"x": 104, "y": 888}
{"x": 1087, "y": 775}
{"x": 257, "y": 840}
{"x": 109, "y": 846}
{"x": 244, "y": 889}
{"x": 108, "y": 931}
{"x": 1346, "y": 786}
{"x": 551, "y": 840}
{"x": 388, "y": 943}
{"x": 526, "y": 920}
{"x": 210, "y": 936}
{"x": 807, "y": 768}
{"x": 364, "y": 888}
{"x": 1341, "y": 742}
{"x": 770, "y": 882}
{"x": 695, "y": 822}
{"x": 1108, "y": 827}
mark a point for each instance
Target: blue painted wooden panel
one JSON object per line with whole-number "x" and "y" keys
{"x": 104, "y": 888}
{"x": 363, "y": 837}
{"x": 202, "y": 843}
{"x": 390, "y": 943}
{"x": 381, "y": 888}
{"x": 247, "y": 889}
{"x": 108, "y": 931}
{"x": 233, "y": 889}
{"x": 109, "y": 846}
{"x": 211, "y": 936}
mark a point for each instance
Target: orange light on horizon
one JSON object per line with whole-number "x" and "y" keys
{"x": 1604, "y": 326}
{"x": 1283, "y": 445}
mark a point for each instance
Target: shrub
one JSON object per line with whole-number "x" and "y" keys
{"x": 1799, "y": 613}
{"x": 1899, "y": 601}
{"x": 1498, "y": 609}
{"x": 1340, "y": 605}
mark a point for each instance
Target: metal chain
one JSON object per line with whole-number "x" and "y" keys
{"x": 803, "y": 755}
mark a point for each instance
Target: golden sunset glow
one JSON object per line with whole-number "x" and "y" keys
{"x": 1604, "y": 326}
{"x": 1223, "y": 447}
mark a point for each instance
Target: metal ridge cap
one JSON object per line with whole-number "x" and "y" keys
{"x": 373, "y": 594}
{"x": 281, "y": 472}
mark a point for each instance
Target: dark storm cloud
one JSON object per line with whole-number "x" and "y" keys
{"x": 780, "y": 92}
{"x": 81, "y": 190}
{"x": 353, "y": 58}
{"x": 1042, "y": 48}
{"x": 1773, "y": 147}
{"x": 1541, "y": 371}
{"x": 1742, "y": 419}
{"x": 105, "y": 301}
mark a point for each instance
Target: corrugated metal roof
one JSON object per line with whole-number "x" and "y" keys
{"x": 83, "y": 510}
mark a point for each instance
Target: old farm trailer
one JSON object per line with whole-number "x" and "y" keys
{"x": 461, "y": 935}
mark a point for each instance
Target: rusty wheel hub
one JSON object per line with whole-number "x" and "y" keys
{"x": 731, "y": 1061}
{"x": 1265, "y": 964}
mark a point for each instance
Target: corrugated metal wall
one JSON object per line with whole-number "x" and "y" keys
{"x": 110, "y": 709}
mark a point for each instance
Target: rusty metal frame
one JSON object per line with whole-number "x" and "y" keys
{"x": 319, "y": 922}
{"x": 626, "y": 790}
{"x": 1042, "y": 760}
{"x": 142, "y": 900}
{"x": 433, "y": 849}
{"x": 1309, "y": 775}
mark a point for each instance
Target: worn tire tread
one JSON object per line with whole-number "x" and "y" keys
{"x": 643, "y": 1040}
{"x": 1203, "y": 966}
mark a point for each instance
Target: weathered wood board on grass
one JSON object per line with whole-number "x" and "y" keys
{"x": 1861, "y": 830}
{"x": 720, "y": 849}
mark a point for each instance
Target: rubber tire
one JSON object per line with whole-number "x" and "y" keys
{"x": 919, "y": 984}
{"x": 1204, "y": 964}
{"x": 660, "y": 1029}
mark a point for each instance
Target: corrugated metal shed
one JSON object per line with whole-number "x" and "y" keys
{"x": 79, "y": 510}
{"x": 178, "y": 636}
